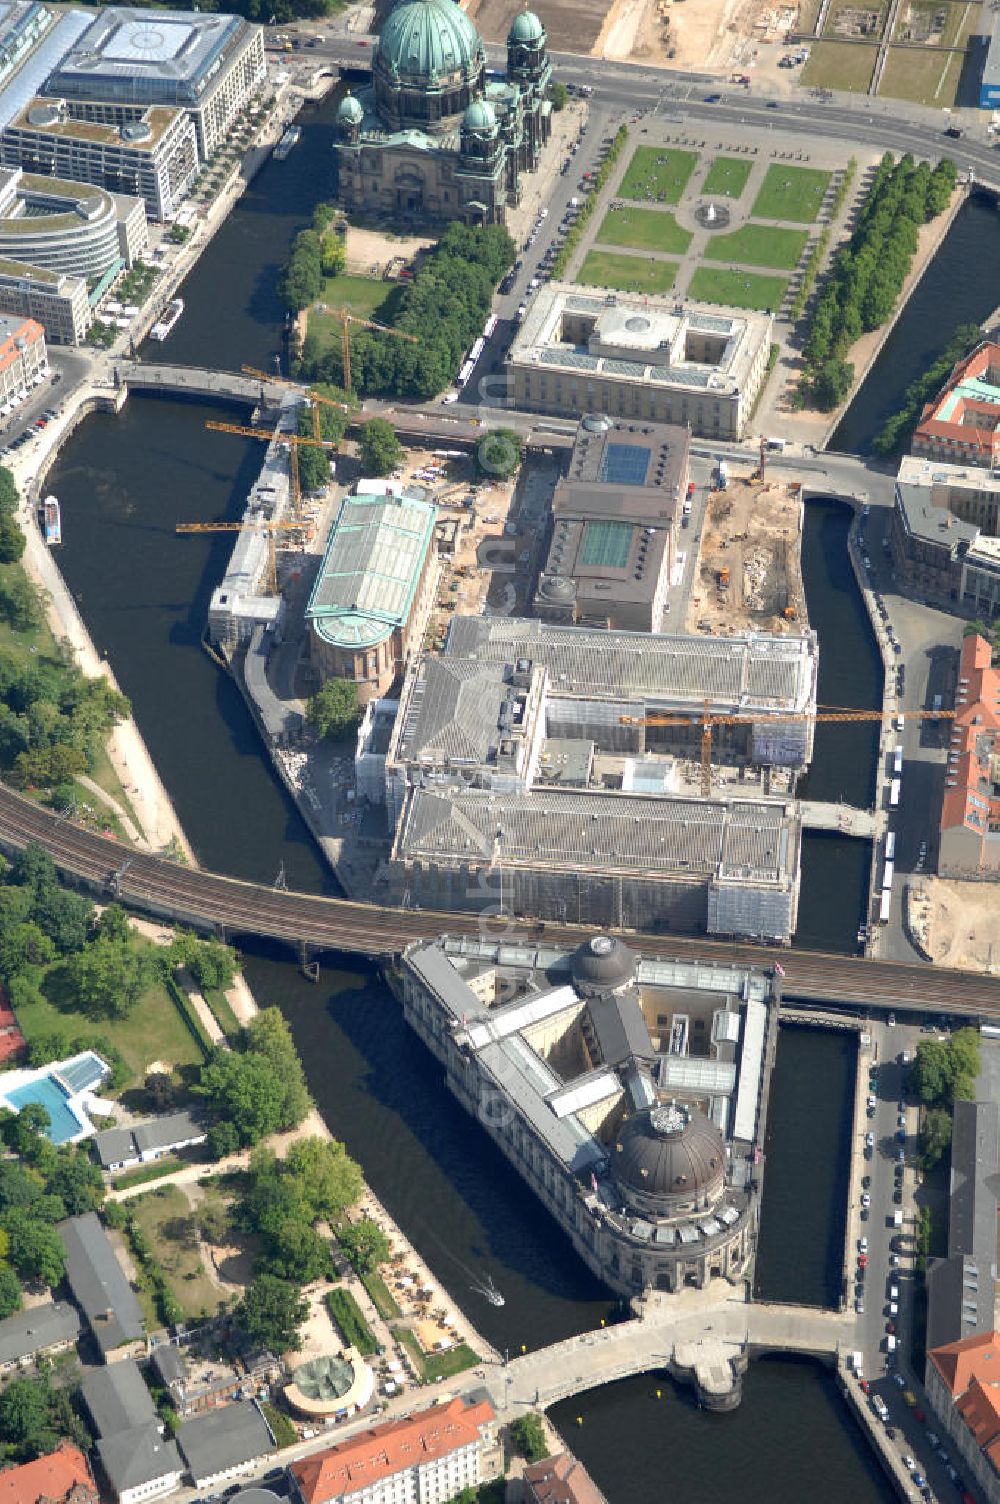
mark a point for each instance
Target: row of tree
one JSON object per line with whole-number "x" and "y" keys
{"x": 444, "y": 308}
{"x": 317, "y": 253}
{"x": 867, "y": 274}
{"x": 895, "y": 431}
{"x": 942, "y": 1071}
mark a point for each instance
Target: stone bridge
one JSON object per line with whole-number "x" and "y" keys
{"x": 844, "y": 818}
{"x": 196, "y": 381}
{"x": 705, "y": 1337}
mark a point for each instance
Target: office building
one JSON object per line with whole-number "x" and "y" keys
{"x": 945, "y": 533}
{"x": 640, "y": 359}
{"x": 55, "y": 300}
{"x": 960, "y": 423}
{"x": 206, "y": 64}
{"x": 68, "y": 227}
{"x": 152, "y": 154}
{"x": 969, "y": 834}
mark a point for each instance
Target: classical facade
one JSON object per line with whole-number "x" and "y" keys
{"x": 434, "y": 137}
{"x": 627, "y": 1097}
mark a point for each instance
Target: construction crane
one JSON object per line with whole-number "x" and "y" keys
{"x": 346, "y": 318}
{"x": 314, "y": 397}
{"x": 707, "y": 721}
{"x": 293, "y": 440}
{"x": 270, "y": 528}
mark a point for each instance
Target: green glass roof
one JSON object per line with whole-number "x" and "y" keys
{"x": 374, "y": 556}
{"x": 606, "y": 544}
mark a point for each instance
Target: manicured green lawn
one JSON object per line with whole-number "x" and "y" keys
{"x": 438, "y": 1365}
{"x": 644, "y": 230}
{"x": 166, "y": 1218}
{"x": 359, "y": 295}
{"x": 348, "y": 1317}
{"x": 627, "y": 273}
{"x": 381, "y": 1296}
{"x": 758, "y": 245}
{"x": 727, "y": 177}
{"x": 794, "y": 193}
{"x": 154, "y": 1030}
{"x": 659, "y": 172}
{"x": 713, "y": 284}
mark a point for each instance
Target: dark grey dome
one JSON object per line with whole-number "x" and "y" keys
{"x": 556, "y": 587}
{"x": 670, "y": 1152}
{"x": 603, "y": 964}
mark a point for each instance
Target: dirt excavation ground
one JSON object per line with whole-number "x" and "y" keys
{"x": 958, "y": 924}
{"x": 749, "y": 572}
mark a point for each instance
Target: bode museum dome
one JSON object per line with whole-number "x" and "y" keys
{"x": 433, "y": 137}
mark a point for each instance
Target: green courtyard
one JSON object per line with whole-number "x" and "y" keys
{"x": 658, "y": 172}
{"x": 626, "y": 273}
{"x": 793, "y": 193}
{"x": 361, "y": 296}
{"x": 739, "y": 289}
{"x": 727, "y": 177}
{"x": 759, "y": 245}
{"x": 644, "y": 230}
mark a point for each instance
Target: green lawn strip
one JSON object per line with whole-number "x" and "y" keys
{"x": 759, "y": 245}
{"x": 737, "y": 289}
{"x": 144, "y": 1173}
{"x": 928, "y": 76}
{"x": 222, "y": 1011}
{"x": 791, "y": 193}
{"x": 437, "y": 1365}
{"x": 659, "y": 172}
{"x": 727, "y": 177}
{"x": 627, "y": 273}
{"x": 381, "y": 1296}
{"x": 643, "y": 230}
{"x": 166, "y": 1218}
{"x": 154, "y": 1030}
{"x": 349, "y": 1319}
{"x": 282, "y": 1428}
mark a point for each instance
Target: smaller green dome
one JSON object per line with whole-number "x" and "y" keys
{"x": 350, "y": 110}
{"x": 480, "y": 116}
{"x": 526, "y": 27}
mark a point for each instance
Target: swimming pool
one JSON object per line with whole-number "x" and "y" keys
{"x": 50, "y": 1095}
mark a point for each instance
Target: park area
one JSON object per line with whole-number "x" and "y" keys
{"x": 727, "y": 177}
{"x": 660, "y": 173}
{"x": 791, "y": 193}
{"x": 361, "y": 296}
{"x": 738, "y": 289}
{"x": 644, "y": 230}
{"x": 758, "y": 245}
{"x": 627, "y": 273}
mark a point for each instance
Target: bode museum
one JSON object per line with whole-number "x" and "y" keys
{"x": 435, "y": 136}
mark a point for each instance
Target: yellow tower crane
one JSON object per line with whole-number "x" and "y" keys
{"x": 314, "y": 397}
{"x": 270, "y": 528}
{"x": 707, "y": 721}
{"x": 347, "y": 318}
{"x": 293, "y": 440}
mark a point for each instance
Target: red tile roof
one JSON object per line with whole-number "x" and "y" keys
{"x": 975, "y": 738}
{"x": 53, "y": 1477}
{"x": 28, "y": 332}
{"x": 962, "y": 430}
{"x": 979, "y": 1407}
{"x": 389, "y": 1448}
{"x": 561, "y": 1480}
{"x": 960, "y": 1362}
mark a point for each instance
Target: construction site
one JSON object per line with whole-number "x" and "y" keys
{"x": 748, "y": 572}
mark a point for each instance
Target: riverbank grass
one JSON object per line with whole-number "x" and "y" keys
{"x": 791, "y": 193}
{"x": 737, "y": 289}
{"x": 759, "y": 245}
{"x": 166, "y": 1218}
{"x": 727, "y": 177}
{"x": 626, "y": 273}
{"x": 644, "y": 230}
{"x": 659, "y": 172}
{"x": 154, "y": 1030}
{"x": 439, "y": 1365}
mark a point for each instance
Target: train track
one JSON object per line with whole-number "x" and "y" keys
{"x": 191, "y": 895}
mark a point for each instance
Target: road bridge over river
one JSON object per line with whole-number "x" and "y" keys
{"x": 189, "y": 895}
{"x": 703, "y": 1336}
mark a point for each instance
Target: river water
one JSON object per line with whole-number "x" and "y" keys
{"x": 124, "y": 482}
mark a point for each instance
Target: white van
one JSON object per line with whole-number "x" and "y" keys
{"x": 890, "y": 1343}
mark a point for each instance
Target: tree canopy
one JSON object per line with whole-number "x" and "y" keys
{"x": 364, "y": 1244}
{"x": 378, "y": 447}
{"x": 257, "y": 1088}
{"x": 272, "y": 1313}
{"x": 527, "y": 1437}
{"x": 333, "y": 710}
{"x": 944, "y": 1069}
{"x": 314, "y": 462}
{"x": 35, "y": 1417}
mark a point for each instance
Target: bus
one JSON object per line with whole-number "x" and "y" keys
{"x": 890, "y": 845}
{"x": 477, "y": 350}
{"x": 465, "y": 373}
{"x": 894, "y": 789}
{"x": 491, "y": 324}
{"x": 888, "y": 875}
{"x": 885, "y": 906}
{"x": 897, "y": 761}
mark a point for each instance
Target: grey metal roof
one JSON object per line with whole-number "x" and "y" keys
{"x": 41, "y": 1327}
{"x": 98, "y": 1283}
{"x": 223, "y": 1438}
{"x": 114, "y": 1145}
{"x": 168, "y": 1360}
{"x": 30, "y": 77}
{"x": 117, "y": 1397}
{"x": 183, "y": 51}
{"x": 929, "y": 523}
{"x": 743, "y": 672}
{"x": 454, "y": 711}
{"x": 975, "y": 1180}
{"x": 621, "y": 1031}
{"x": 684, "y": 838}
{"x": 137, "y": 1456}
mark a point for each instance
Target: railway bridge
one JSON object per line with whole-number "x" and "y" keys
{"x": 309, "y": 923}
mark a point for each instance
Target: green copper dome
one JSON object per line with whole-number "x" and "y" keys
{"x": 350, "y": 110}
{"x": 480, "y": 116}
{"x": 526, "y": 28}
{"x": 424, "y": 40}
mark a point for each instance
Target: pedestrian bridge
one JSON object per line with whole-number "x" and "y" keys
{"x": 705, "y": 1337}
{"x": 846, "y": 819}
{"x": 197, "y": 381}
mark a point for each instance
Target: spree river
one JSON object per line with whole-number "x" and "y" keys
{"x": 124, "y": 482}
